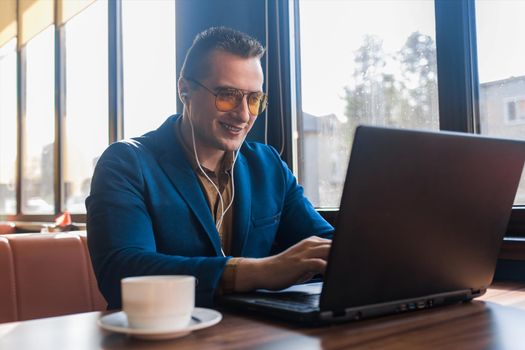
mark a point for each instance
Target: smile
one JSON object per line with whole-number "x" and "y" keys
{"x": 231, "y": 128}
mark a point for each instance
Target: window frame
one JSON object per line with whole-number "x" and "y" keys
{"x": 115, "y": 109}
{"x": 115, "y": 115}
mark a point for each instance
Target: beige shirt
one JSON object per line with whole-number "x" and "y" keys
{"x": 222, "y": 179}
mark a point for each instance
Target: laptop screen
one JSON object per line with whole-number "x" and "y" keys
{"x": 421, "y": 213}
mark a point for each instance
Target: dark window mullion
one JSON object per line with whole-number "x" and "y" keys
{"x": 21, "y": 114}
{"x": 115, "y": 79}
{"x": 298, "y": 101}
{"x": 60, "y": 113}
{"x": 280, "y": 133}
{"x": 457, "y": 65}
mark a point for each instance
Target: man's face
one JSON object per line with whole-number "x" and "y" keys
{"x": 225, "y": 131}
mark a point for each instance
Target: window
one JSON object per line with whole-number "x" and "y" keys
{"x": 70, "y": 55}
{"x": 148, "y": 44}
{"x": 502, "y": 72}
{"x": 39, "y": 125}
{"x": 382, "y": 71}
{"x": 515, "y": 110}
{"x": 8, "y": 139}
{"x": 86, "y": 96}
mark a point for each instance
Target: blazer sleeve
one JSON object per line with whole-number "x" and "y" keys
{"x": 299, "y": 219}
{"x": 121, "y": 240}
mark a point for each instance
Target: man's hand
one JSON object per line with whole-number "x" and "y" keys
{"x": 298, "y": 263}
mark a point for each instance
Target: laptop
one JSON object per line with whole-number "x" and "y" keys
{"x": 421, "y": 221}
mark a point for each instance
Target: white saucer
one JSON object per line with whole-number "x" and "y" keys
{"x": 201, "y": 318}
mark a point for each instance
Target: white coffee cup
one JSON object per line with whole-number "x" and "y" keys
{"x": 158, "y": 302}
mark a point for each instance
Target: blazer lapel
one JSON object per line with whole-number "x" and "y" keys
{"x": 242, "y": 206}
{"x": 178, "y": 169}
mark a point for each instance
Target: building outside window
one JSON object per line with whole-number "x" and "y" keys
{"x": 515, "y": 110}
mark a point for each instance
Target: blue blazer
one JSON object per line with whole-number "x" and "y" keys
{"x": 147, "y": 214}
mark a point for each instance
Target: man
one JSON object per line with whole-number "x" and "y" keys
{"x": 193, "y": 198}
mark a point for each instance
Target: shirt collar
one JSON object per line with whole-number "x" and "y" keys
{"x": 227, "y": 160}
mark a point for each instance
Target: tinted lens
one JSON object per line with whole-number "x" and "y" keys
{"x": 256, "y": 102}
{"x": 228, "y": 99}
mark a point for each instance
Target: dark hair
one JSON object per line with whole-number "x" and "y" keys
{"x": 218, "y": 38}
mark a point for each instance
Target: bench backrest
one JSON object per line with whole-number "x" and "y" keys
{"x": 44, "y": 275}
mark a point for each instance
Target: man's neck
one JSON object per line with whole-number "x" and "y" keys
{"x": 209, "y": 157}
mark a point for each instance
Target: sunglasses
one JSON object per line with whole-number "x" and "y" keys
{"x": 227, "y": 99}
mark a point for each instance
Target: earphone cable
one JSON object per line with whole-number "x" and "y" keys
{"x": 236, "y": 154}
{"x": 218, "y": 224}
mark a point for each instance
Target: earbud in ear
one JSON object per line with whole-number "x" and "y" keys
{"x": 183, "y": 96}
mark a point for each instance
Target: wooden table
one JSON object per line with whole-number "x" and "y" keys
{"x": 495, "y": 321}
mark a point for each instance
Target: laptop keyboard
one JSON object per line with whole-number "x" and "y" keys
{"x": 300, "y": 301}
{"x": 307, "y": 299}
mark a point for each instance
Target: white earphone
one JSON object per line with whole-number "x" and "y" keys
{"x": 236, "y": 154}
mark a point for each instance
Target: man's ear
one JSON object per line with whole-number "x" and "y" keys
{"x": 184, "y": 89}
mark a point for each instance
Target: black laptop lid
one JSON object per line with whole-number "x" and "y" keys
{"x": 421, "y": 213}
